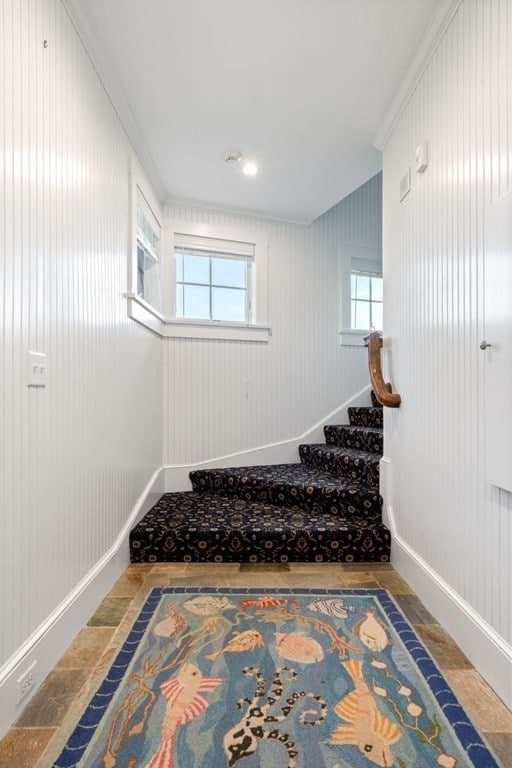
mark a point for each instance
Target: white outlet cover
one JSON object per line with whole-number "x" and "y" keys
{"x": 36, "y": 369}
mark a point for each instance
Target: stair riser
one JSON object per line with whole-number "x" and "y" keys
{"x": 355, "y": 438}
{"x": 365, "y": 507}
{"x": 365, "y": 417}
{"x": 202, "y": 527}
{"x": 353, "y": 470}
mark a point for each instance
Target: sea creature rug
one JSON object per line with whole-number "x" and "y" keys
{"x": 216, "y": 678}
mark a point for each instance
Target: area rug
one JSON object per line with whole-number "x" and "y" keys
{"x": 215, "y": 678}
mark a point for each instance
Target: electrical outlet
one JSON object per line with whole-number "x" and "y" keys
{"x": 26, "y": 681}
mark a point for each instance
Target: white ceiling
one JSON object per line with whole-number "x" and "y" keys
{"x": 299, "y": 86}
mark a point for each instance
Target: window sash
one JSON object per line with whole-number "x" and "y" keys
{"x": 211, "y": 286}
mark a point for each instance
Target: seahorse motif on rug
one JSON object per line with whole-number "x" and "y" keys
{"x": 242, "y": 740}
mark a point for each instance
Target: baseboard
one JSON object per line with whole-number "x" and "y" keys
{"x": 488, "y": 652}
{"x": 176, "y": 476}
{"x": 51, "y": 639}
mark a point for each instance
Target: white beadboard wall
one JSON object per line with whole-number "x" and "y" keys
{"x": 225, "y": 397}
{"x": 451, "y": 526}
{"x": 74, "y": 456}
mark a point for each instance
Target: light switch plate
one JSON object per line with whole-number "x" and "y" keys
{"x": 36, "y": 372}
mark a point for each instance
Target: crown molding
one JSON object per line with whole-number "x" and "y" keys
{"x": 202, "y": 205}
{"x": 86, "y": 29}
{"x": 443, "y": 16}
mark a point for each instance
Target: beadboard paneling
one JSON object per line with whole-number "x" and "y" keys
{"x": 75, "y": 455}
{"x": 222, "y": 397}
{"x": 433, "y": 244}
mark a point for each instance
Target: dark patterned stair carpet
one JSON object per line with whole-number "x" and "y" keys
{"x": 359, "y": 438}
{"x": 325, "y": 509}
{"x": 294, "y": 486}
{"x": 204, "y": 527}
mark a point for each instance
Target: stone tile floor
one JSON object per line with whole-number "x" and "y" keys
{"x": 38, "y": 735}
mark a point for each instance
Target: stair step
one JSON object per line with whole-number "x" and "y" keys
{"x": 369, "y": 439}
{"x": 366, "y": 417}
{"x": 206, "y": 527}
{"x": 296, "y": 486}
{"x": 355, "y": 466}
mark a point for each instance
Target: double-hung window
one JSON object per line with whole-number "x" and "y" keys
{"x": 213, "y": 279}
{"x": 215, "y": 283}
{"x": 365, "y": 300}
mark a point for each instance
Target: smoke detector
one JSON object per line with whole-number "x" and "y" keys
{"x": 232, "y": 156}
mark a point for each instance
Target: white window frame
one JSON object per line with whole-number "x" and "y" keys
{"x": 370, "y": 301}
{"x": 139, "y": 309}
{"x": 353, "y": 258}
{"x": 257, "y": 328}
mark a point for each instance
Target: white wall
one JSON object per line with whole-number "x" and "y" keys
{"x": 223, "y": 397}
{"x": 75, "y": 456}
{"x": 454, "y": 531}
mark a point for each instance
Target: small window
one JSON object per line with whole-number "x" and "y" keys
{"x": 148, "y": 253}
{"x": 213, "y": 279}
{"x": 366, "y": 300}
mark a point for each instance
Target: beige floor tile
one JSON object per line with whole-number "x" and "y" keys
{"x": 441, "y": 647}
{"x": 501, "y": 745}
{"x": 264, "y": 567}
{"x": 414, "y": 610}
{"x": 393, "y": 582}
{"x": 128, "y": 584}
{"x": 487, "y": 711}
{"x": 314, "y": 581}
{"x": 87, "y": 648}
{"x": 110, "y": 612}
{"x": 22, "y": 747}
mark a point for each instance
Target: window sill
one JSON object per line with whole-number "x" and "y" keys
{"x": 147, "y": 316}
{"x": 200, "y": 329}
{"x": 353, "y": 338}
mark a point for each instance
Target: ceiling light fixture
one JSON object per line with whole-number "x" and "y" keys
{"x": 233, "y": 157}
{"x": 250, "y": 168}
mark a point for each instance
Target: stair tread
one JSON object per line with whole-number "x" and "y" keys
{"x": 234, "y": 513}
{"x": 280, "y": 473}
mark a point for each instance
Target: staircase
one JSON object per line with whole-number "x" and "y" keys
{"x": 327, "y": 508}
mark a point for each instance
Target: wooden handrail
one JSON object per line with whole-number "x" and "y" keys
{"x": 383, "y": 391}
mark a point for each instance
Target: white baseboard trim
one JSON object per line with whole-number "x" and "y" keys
{"x": 54, "y": 635}
{"x": 488, "y": 652}
{"x": 176, "y": 476}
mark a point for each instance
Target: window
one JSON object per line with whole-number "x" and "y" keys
{"x": 212, "y": 286}
{"x": 148, "y": 253}
{"x": 217, "y": 283}
{"x": 365, "y": 300}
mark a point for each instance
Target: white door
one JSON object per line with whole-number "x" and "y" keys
{"x": 498, "y": 337}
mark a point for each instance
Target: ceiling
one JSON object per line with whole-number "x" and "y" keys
{"x": 301, "y": 87}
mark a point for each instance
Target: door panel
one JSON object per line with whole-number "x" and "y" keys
{"x": 498, "y": 334}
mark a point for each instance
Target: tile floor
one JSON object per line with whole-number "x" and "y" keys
{"x": 39, "y": 734}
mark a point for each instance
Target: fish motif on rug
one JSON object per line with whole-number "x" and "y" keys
{"x": 184, "y": 702}
{"x": 368, "y": 728}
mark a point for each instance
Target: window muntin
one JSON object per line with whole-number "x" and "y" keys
{"x": 212, "y": 286}
{"x": 365, "y": 300}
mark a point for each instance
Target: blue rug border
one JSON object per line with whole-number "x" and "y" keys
{"x": 469, "y": 738}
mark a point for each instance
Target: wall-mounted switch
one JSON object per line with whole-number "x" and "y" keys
{"x": 36, "y": 373}
{"x": 421, "y": 157}
{"x": 405, "y": 184}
